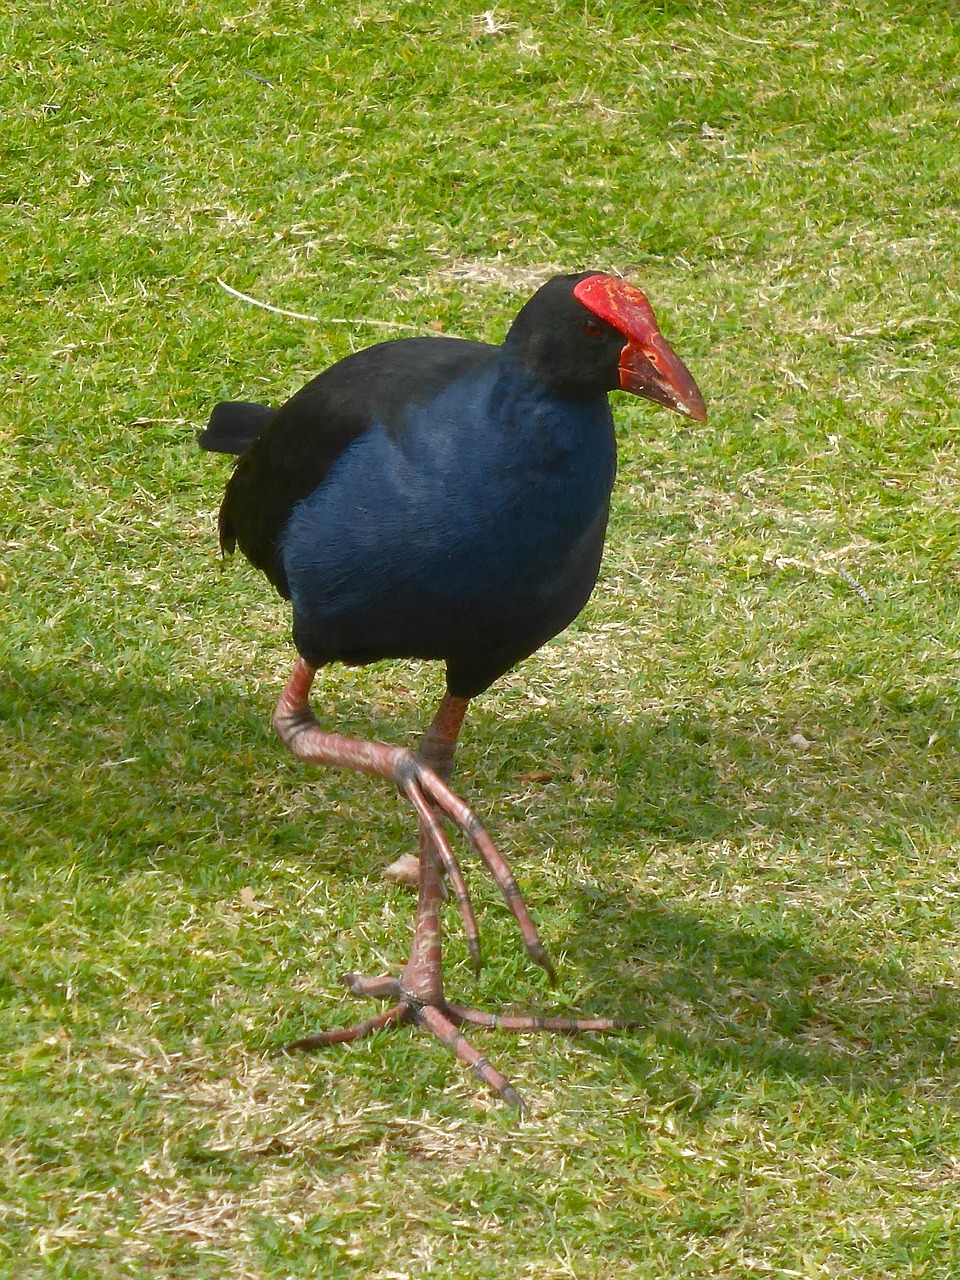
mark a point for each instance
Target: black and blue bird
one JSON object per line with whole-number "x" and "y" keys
{"x": 437, "y": 498}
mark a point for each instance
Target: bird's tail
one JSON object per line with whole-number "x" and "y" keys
{"x": 234, "y": 425}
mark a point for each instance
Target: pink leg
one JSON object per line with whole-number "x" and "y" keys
{"x": 418, "y": 992}
{"x": 426, "y": 791}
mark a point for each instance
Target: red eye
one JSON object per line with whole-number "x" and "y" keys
{"x": 592, "y": 328}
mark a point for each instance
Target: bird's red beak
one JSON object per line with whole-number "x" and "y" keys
{"x": 648, "y": 366}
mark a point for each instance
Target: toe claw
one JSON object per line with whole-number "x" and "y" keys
{"x": 509, "y": 1095}
{"x": 545, "y": 963}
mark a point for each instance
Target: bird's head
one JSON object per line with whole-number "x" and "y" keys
{"x": 593, "y": 332}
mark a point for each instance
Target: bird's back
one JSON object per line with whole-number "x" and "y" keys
{"x": 291, "y": 457}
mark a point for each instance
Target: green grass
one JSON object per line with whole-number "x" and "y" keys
{"x": 749, "y": 836}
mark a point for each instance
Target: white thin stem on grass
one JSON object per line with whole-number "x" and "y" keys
{"x": 299, "y": 315}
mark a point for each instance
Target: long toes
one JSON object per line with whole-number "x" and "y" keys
{"x": 467, "y": 821}
{"x": 384, "y": 987}
{"x": 535, "y": 1022}
{"x": 343, "y": 1035}
{"x": 435, "y": 1020}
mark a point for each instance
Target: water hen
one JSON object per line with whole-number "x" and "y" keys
{"x": 438, "y": 498}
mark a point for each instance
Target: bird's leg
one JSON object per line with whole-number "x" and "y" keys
{"x": 424, "y": 788}
{"x": 422, "y": 980}
{"x": 436, "y": 751}
{"x": 418, "y": 993}
{"x": 440, "y": 741}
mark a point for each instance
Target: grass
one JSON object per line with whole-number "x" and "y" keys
{"x": 748, "y": 835}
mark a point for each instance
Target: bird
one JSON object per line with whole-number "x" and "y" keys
{"x": 439, "y": 498}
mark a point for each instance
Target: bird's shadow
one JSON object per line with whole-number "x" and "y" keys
{"x": 757, "y": 992}
{"x": 742, "y": 981}
{"x": 765, "y": 1000}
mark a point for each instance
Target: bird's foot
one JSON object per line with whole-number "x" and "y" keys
{"x": 443, "y": 1020}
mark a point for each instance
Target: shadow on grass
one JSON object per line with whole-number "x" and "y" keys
{"x": 116, "y": 771}
{"x": 768, "y": 1001}
{"x": 757, "y": 988}
{"x": 109, "y": 773}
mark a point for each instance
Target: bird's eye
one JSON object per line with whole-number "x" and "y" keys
{"x": 592, "y": 328}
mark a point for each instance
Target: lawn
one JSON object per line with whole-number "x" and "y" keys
{"x": 730, "y": 792}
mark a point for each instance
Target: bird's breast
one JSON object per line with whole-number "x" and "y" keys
{"x": 482, "y": 500}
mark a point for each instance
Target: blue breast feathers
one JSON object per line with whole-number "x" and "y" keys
{"x": 478, "y": 502}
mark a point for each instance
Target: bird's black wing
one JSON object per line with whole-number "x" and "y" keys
{"x": 292, "y": 455}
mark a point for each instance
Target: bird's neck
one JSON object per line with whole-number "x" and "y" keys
{"x": 527, "y": 360}
{"x": 548, "y": 451}
{"x": 539, "y": 413}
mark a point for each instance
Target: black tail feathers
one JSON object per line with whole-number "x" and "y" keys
{"x": 234, "y": 425}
